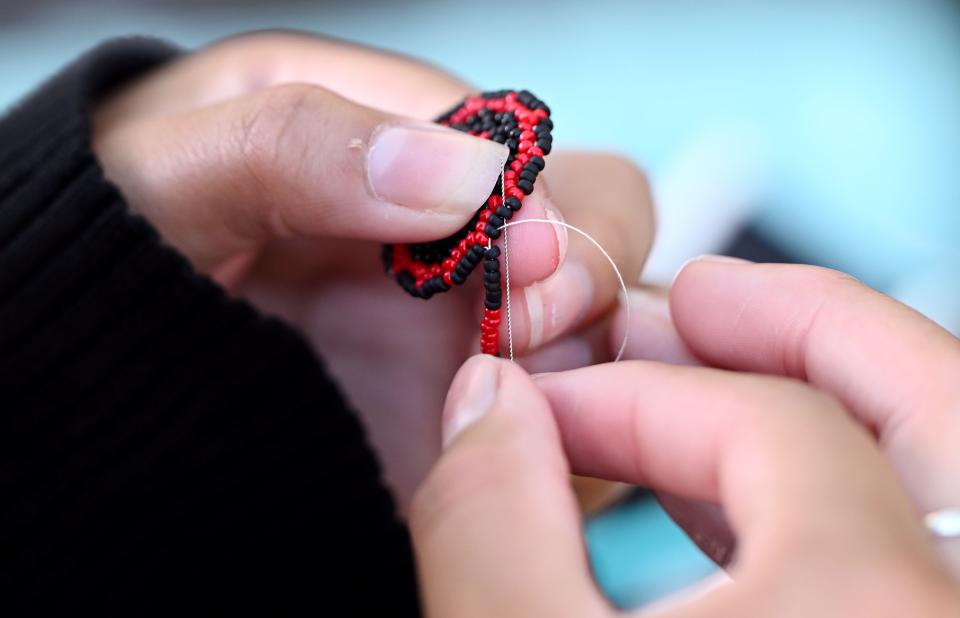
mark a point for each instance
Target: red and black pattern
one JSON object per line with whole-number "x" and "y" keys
{"x": 522, "y": 122}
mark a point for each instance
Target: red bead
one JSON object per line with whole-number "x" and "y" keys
{"x": 447, "y": 278}
{"x": 516, "y": 166}
{"x": 525, "y": 145}
{"x": 536, "y": 151}
{"x": 449, "y": 264}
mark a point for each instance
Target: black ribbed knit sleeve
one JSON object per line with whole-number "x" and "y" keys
{"x": 163, "y": 448}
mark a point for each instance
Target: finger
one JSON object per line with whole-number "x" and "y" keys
{"x": 765, "y": 448}
{"x": 298, "y": 160}
{"x": 495, "y": 525}
{"x": 648, "y": 329}
{"x": 893, "y": 368}
{"x": 609, "y": 199}
{"x": 651, "y": 335}
{"x": 241, "y": 65}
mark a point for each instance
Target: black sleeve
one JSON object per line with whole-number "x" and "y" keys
{"x": 164, "y": 449}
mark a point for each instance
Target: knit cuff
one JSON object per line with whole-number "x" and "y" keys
{"x": 157, "y": 438}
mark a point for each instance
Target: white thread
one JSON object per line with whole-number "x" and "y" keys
{"x": 506, "y": 265}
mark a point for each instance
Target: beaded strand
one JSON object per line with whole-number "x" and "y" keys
{"x": 521, "y": 122}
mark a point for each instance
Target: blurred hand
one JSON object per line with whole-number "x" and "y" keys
{"x": 278, "y": 162}
{"x": 895, "y": 371}
{"x": 825, "y": 526}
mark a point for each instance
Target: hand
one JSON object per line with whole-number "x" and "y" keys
{"x": 895, "y": 371}
{"x": 278, "y": 162}
{"x": 825, "y": 526}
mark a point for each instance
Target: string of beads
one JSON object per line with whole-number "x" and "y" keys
{"x": 521, "y": 122}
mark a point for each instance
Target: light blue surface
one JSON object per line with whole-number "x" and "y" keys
{"x": 855, "y": 106}
{"x": 639, "y": 554}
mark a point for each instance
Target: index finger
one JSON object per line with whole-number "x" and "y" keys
{"x": 893, "y": 368}
{"x": 785, "y": 461}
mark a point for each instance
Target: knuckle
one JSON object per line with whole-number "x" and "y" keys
{"x": 272, "y": 129}
{"x": 265, "y": 126}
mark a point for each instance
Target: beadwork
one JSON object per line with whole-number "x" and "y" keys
{"x": 521, "y": 122}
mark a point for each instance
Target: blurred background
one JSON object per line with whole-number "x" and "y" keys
{"x": 822, "y": 132}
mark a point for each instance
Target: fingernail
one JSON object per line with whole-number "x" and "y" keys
{"x": 472, "y": 393}
{"x": 431, "y": 168}
{"x": 651, "y": 334}
{"x": 723, "y": 259}
{"x": 564, "y": 354}
{"x": 563, "y": 236}
{"x": 555, "y": 304}
{"x": 648, "y": 303}
{"x": 710, "y": 258}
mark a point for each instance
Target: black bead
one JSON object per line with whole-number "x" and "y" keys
{"x": 492, "y": 276}
{"x": 528, "y": 175}
{"x": 525, "y": 185}
{"x": 457, "y": 278}
{"x": 546, "y": 122}
{"x": 545, "y": 146}
{"x": 504, "y": 213}
{"x": 539, "y": 162}
{"x": 513, "y": 203}
{"x": 492, "y": 306}
{"x": 495, "y": 221}
{"x": 491, "y": 231}
{"x": 491, "y": 287}
{"x": 512, "y": 144}
{"x": 493, "y": 252}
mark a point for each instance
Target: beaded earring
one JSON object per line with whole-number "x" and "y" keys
{"x": 521, "y": 122}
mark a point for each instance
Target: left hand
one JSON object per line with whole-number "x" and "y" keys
{"x": 248, "y": 176}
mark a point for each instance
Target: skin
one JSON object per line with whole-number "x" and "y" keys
{"x": 248, "y": 157}
{"x": 812, "y": 472}
{"x": 894, "y": 370}
{"x": 821, "y": 461}
{"x": 243, "y": 156}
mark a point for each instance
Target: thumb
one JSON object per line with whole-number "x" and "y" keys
{"x": 495, "y": 525}
{"x": 295, "y": 160}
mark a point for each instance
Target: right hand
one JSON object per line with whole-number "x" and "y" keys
{"x": 895, "y": 371}
{"x": 825, "y": 527}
